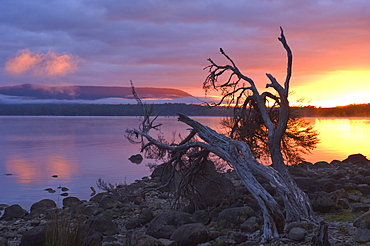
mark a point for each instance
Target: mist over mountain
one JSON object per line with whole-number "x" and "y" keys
{"x": 31, "y": 93}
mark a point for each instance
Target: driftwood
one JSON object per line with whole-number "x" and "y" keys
{"x": 238, "y": 154}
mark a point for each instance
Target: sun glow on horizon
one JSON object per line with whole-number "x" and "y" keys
{"x": 337, "y": 88}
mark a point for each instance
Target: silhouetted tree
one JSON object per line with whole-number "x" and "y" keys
{"x": 239, "y": 88}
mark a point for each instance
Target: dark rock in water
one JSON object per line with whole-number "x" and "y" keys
{"x": 44, "y": 204}
{"x": 55, "y": 176}
{"x": 64, "y": 194}
{"x": 165, "y": 223}
{"x": 8, "y": 174}
{"x": 190, "y": 234}
{"x": 34, "y": 237}
{"x": 14, "y": 212}
{"x": 64, "y": 189}
{"x": 137, "y": 159}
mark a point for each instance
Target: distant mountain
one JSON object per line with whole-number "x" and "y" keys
{"x": 88, "y": 92}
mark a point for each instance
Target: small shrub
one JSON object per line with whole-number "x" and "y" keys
{"x": 65, "y": 230}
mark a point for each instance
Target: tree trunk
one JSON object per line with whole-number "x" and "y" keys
{"x": 238, "y": 154}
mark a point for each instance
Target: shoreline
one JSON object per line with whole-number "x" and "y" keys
{"x": 339, "y": 192}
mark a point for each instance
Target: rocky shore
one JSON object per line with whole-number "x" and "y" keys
{"x": 144, "y": 213}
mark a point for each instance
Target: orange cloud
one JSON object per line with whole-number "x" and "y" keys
{"x": 39, "y": 64}
{"x": 22, "y": 62}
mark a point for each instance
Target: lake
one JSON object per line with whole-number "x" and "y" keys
{"x": 80, "y": 150}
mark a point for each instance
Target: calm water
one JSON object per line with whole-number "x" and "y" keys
{"x": 80, "y": 150}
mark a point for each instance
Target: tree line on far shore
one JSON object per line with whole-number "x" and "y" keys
{"x": 168, "y": 109}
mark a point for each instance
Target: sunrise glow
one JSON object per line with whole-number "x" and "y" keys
{"x": 337, "y": 88}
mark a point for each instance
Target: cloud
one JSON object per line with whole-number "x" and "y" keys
{"x": 48, "y": 64}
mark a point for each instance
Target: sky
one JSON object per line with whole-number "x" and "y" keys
{"x": 163, "y": 43}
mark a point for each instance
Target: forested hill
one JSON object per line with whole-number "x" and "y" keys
{"x": 168, "y": 109}
{"x": 110, "y": 109}
{"x": 355, "y": 110}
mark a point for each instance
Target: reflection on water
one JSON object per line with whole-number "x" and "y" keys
{"x": 80, "y": 150}
{"x": 47, "y": 166}
{"x": 340, "y": 137}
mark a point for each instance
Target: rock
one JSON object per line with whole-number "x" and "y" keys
{"x": 167, "y": 242}
{"x": 43, "y": 205}
{"x": 362, "y": 218}
{"x": 364, "y": 188}
{"x": 103, "y": 225}
{"x": 64, "y": 194}
{"x": 354, "y": 198}
{"x": 108, "y": 202}
{"x": 98, "y": 197}
{"x": 34, "y": 237}
{"x": 357, "y": 159}
{"x": 201, "y": 216}
{"x": 306, "y": 184}
{"x": 145, "y": 216}
{"x": 224, "y": 241}
{"x": 14, "y": 212}
{"x": 140, "y": 239}
{"x": 190, "y": 234}
{"x": 234, "y": 217}
{"x": 344, "y": 203}
{"x": 362, "y": 235}
{"x": 165, "y": 223}
{"x": 305, "y": 165}
{"x": 137, "y": 159}
{"x": 329, "y": 186}
{"x": 250, "y": 225}
{"x": 95, "y": 239}
{"x": 297, "y": 234}
{"x": 322, "y": 164}
{"x": 64, "y": 189}
{"x": 71, "y": 201}
{"x": 322, "y": 204}
{"x": 291, "y": 225}
{"x": 359, "y": 208}
{"x": 237, "y": 236}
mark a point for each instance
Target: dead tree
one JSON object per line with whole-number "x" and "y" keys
{"x": 238, "y": 154}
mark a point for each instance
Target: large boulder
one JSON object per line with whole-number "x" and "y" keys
{"x": 140, "y": 239}
{"x": 44, "y": 204}
{"x": 34, "y": 237}
{"x": 362, "y": 219}
{"x": 103, "y": 225}
{"x": 190, "y": 234}
{"x": 234, "y": 217}
{"x": 322, "y": 203}
{"x": 356, "y": 159}
{"x": 14, "y": 212}
{"x": 362, "y": 235}
{"x": 297, "y": 234}
{"x": 165, "y": 223}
